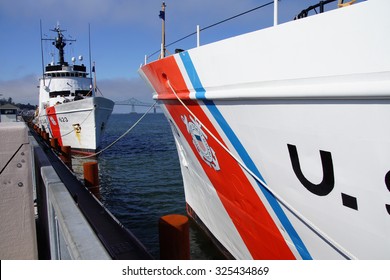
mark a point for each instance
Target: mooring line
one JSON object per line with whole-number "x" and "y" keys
{"x": 295, "y": 212}
{"x": 120, "y": 137}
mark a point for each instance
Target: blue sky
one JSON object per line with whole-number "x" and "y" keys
{"x": 122, "y": 33}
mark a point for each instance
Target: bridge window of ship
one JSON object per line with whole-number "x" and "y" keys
{"x": 81, "y": 68}
{"x": 62, "y": 93}
{"x": 53, "y": 67}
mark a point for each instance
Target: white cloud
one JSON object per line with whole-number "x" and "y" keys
{"x": 119, "y": 89}
{"x": 120, "y": 11}
{"x": 23, "y": 90}
{"x": 123, "y": 31}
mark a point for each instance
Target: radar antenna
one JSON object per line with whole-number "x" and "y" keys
{"x": 60, "y": 42}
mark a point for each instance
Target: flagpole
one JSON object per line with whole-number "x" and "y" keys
{"x": 162, "y": 16}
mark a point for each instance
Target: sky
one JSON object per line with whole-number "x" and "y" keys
{"x": 122, "y": 32}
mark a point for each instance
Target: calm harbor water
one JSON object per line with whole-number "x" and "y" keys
{"x": 140, "y": 180}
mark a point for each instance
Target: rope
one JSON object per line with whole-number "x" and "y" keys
{"x": 120, "y": 137}
{"x": 241, "y": 14}
{"x": 72, "y": 130}
{"x": 65, "y": 134}
{"x": 215, "y": 24}
{"x": 281, "y": 200}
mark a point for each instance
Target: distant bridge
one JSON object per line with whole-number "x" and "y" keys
{"x": 135, "y": 102}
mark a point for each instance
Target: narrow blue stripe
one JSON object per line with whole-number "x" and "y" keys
{"x": 200, "y": 94}
{"x": 193, "y": 75}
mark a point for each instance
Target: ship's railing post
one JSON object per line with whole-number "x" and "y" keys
{"x": 197, "y": 36}
{"x": 276, "y": 12}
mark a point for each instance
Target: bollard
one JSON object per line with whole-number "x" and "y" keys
{"x": 174, "y": 237}
{"x": 91, "y": 178}
{"x": 66, "y": 156}
{"x": 54, "y": 143}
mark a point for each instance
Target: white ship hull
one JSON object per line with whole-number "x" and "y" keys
{"x": 69, "y": 109}
{"x": 283, "y": 138}
{"x": 79, "y": 124}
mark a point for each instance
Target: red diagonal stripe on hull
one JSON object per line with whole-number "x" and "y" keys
{"x": 243, "y": 205}
{"x": 54, "y": 124}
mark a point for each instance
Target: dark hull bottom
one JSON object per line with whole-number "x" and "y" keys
{"x": 84, "y": 152}
{"x": 191, "y": 213}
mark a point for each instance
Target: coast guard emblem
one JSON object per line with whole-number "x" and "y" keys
{"x": 199, "y": 139}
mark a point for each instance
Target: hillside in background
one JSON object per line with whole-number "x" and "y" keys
{"x": 21, "y": 106}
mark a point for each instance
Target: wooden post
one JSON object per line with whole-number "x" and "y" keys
{"x": 46, "y": 136}
{"x": 174, "y": 237}
{"x": 54, "y": 143}
{"x": 66, "y": 156}
{"x": 91, "y": 178}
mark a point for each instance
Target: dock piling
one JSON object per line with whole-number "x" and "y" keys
{"x": 45, "y": 136}
{"x": 54, "y": 143}
{"x": 174, "y": 237}
{"x": 91, "y": 178}
{"x": 66, "y": 155}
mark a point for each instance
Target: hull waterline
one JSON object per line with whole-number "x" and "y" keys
{"x": 78, "y": 124}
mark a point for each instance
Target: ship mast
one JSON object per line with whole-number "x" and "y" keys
{"x": 60, "y": 43}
